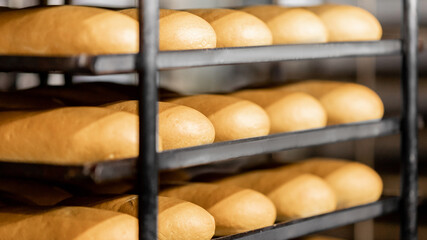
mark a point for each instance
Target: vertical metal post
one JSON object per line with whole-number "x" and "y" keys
{"x": 409, "y": 137}
{"x": 147, "y": 162}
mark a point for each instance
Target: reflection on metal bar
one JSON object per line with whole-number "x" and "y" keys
{"x": 205, "y": 154}
{"x": 147, "y": 183}
{"x": 125, "y": 63}
{"x": 409, "y": 137}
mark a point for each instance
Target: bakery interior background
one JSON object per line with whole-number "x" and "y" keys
{"x": 381, "y": 73}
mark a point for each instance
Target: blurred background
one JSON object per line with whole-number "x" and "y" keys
{"x": 381, "y": 74}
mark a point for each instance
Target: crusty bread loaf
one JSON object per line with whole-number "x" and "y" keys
{"x": 235, "y": 28}
{"x": 31, "y": 192}
{"x": 235, "y": 209}
{"x": 290, "y": 111}
{"x": 66, "y": 223}
{"x": 348, "y": 23}
{"x": 179, "y": 30}
{"x": 177, "y": 219}
{"x": 232, "y": 118}
{"x": 343, "y": 102}
{"x": 179, "y": 126}
{"x": 353, "y": 183}
{"x": 294, "y": 194}
{"x": 290, "y": 25}
{"x": 72, "y": 135}
{"x": 67, "y": 30}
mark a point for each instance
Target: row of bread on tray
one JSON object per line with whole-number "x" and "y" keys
{"x": 70, "y": 30}
{"x": 189, "y": 211}
{"x": 81, "y": 134}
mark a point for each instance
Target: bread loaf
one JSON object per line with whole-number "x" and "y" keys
{"x": 179, "y": 126}
{"x": 295, "y": 194}
{"x": 177, "y": 219}
{"x": 179, "y": 30}
{"x": 290, "y": 111}
{"x": 235, "y": 28}
{"x": 348, "y": 23}
{"x": 353, "y": 183}
{"x": 30, "y": 192}
{"x": 343, "y": 102}
{"x": 67, "y": 30}
{"x": 71, "y": 136}
{"x": 290, "y": 25}
{"x": 66, "y": 223}
{"x": 232, "y": 118}
{"x": 235, "y": 209}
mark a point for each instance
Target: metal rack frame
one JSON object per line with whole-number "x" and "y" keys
{"x": 150, "y": 161}
{"x": 148, "y": 78}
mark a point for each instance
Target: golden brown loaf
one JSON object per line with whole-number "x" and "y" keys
{"x": 30, "y": 192}
{"x": 353, "y": 183}
{"x": 66, "y": 223}
{"x": 232, "y": 118}
{"x": 291, "y": 111}
{"x": 290, "y": 25}
{"x": 72, "y": 135}
{"x": 348, "y": 23}
{"x": 295, "y": 194}
{"x": 179, "y": 126}
{"x": 235, "y": 28}
{"x": 180, "y": 30}
{"x": 177, "y": 219}
{"x": 235, "y": 209}
{"x": 67, "y": 30}
{"x": 343, "y": 102}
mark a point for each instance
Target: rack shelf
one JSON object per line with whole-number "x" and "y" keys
{"x": 187, "y": 157}
{"x": 301, "y": 227}
{"x": 125, "y": 63}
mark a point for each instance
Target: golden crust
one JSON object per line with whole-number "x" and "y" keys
{"x": 179, "y": 30}
{"x": 67, "y": 30}
{"x": 291, "y": 111}
{"x": 235, "y": 209}
{"x": 343, "y": 102}
{"x": 71, "y": 135}
{"x": 348, "y": 23}
{"x": 179, "y": 126}
{"x": 235, "y": 28}
{"x": 290, "y": 25}
{"x": 232, "y": 118}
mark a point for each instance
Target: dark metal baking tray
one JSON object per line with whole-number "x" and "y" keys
{"x": 109, "y": 64}
{"x": 186, "y": 157}
{"x": 302, "y": 227}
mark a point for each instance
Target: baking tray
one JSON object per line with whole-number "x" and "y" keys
{"x": 305, "y": 226}
{"x": 125, "y": 63}
{"x": 107, "y": 171}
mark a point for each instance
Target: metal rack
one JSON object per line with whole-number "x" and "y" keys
{"x": 147, "y": 66}
{"x": 146, "y": 167}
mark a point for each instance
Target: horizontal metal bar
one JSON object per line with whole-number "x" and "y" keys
{"x": 305, "y": 226}
{"x": 125, "y": 63}
{"x": 105, "y": 171}
{"x": 221, "y": 56}
{"x": 187, "y": 157}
